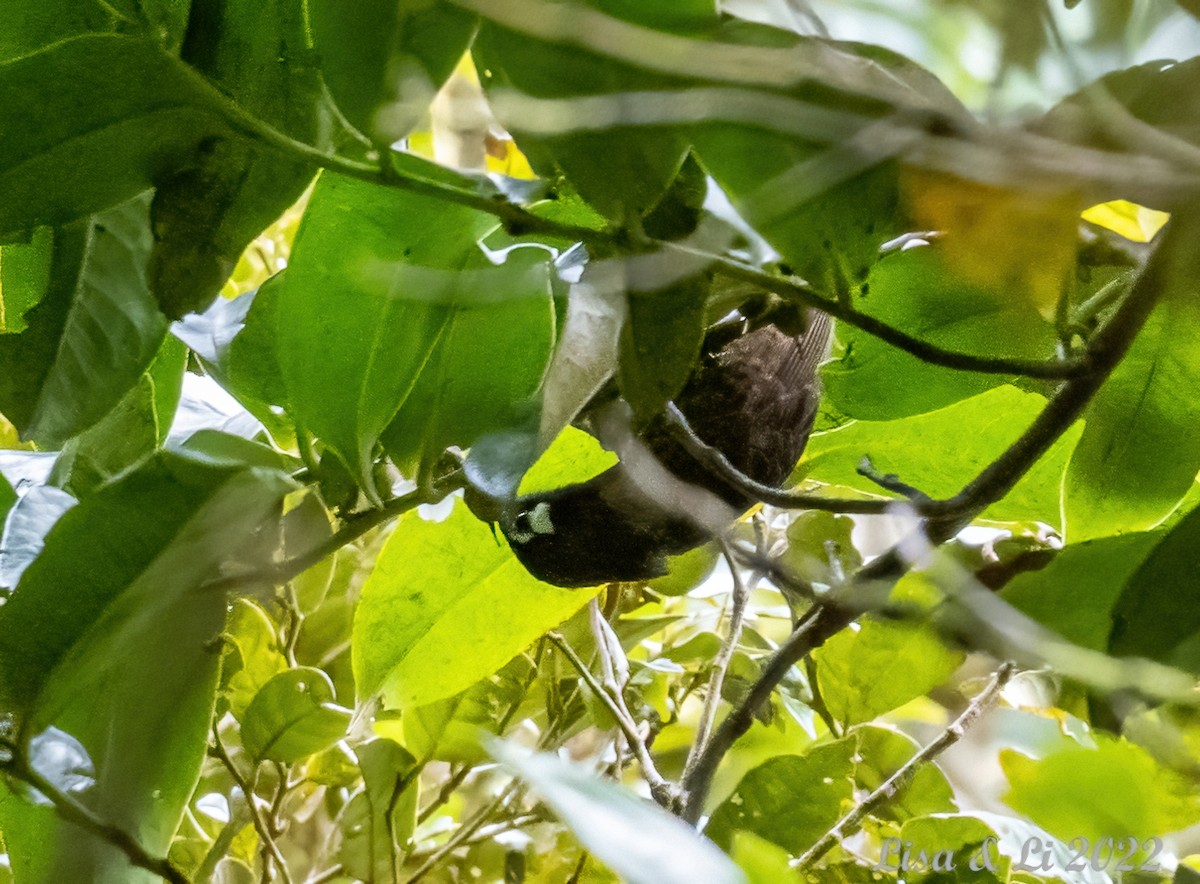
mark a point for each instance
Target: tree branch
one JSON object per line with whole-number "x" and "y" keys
{"x": 894, "y": 784}
{"x": 662, "y": 791}
{"x": 356, "y": 526}
{"x": 801, "y": 291}
{"x": 78, "y": 814}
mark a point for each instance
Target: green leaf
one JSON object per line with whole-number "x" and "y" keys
{"x": 880, "y": 666}
{"x": 437, "y": 590}
{"x": 966, "y": 838}
{"x": 1138, "y": 455}
{"x": 762, "y": 861}
{"x": 235, "y": 340}
{"x": 219, "y": 198}
{"x": 1162, "y": 93}
{"x": 449, "y": 730}
{"x": 293, "y": 716}
{"x": 1075, "y": 594}
{"x": 128, "y": 666}
{"x": 927, "y": 452}
{"x": 660, "y": 344}
{"x": 129, "y": 432}
{"x": 383, "y": 61}
{"x": 1157, "y": 614}
{"x": 915, "y": 291}
{"x": 379, "y": 821}
{"x": 1115, "y": 790}
{"x": 112, "y": 113}
{"x": 31, "y": 26}
{"x": 93, "y": 334}
{"x": 637, "y": 840}
{"x": 128, "y": 553}
{"x": 253, "y": 638}
{"x": 790, "y": 800}
{"x": 7, "y": 498}
{"x": 883, "y": 751}
{"x": 390, "y": 313}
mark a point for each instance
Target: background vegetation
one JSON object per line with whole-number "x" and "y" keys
{"x": 279, "y": 280}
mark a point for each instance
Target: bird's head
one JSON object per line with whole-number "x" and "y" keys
{"x": 576, "y": 537}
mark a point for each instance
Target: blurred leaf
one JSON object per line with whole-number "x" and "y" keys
{"x": 827, "y": 199}
{"x": 1138, "y": 455}
{"x": 427, "y": 335}
{"x": 293, "y": 716}
{"x": 790, "y": 800}
{"x": 914, "y": 290}
{"x": 305, "y": 527}
{"x": 113, "y": 111}
{"x": 1115, "y": 790}
{"x": 385, "y": 812}
{"x": 1075, "y": 594}
{"x": 880, "y": 666}
{"x": 1164, "y": 94}
{"x": 93, "y": 333}
{"x": 128, "y": 668}
{"x": 927, "y": 452}
{"x": 1018, "y": 242}
{"x": 639, "y": 841}
{"x": 383, "y": 61}
{"x": 439, "y": 589}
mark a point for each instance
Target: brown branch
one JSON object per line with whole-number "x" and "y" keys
{"x": 898, "y": 781}
{"x": 798, "y": 290}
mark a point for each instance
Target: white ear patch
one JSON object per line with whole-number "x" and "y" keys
{"x": 531, "y": 523}
{"x": 539, "y": 519}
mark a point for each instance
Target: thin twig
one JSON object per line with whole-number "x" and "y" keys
{"x": 718, "y": 463}
{"x": 798, "y": 290}
{"x": 894, "y": 784}
{"x": 716, "y": 683}
{"x": 72, "y": 811}
{"x": 463, "y": 833}
{"x": 356, "y": 526}
{"x": 660, "y": 788}
{"x": 261, "y": 826}
{"x": 890, "y": 482}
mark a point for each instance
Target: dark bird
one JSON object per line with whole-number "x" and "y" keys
{"x": 752, "y": 397}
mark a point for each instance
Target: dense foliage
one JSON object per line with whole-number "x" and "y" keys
{"x": 284, "y": 285}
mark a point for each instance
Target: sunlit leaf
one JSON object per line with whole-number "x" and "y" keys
{"x": 437, "y": 589}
